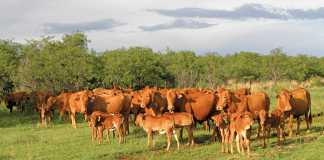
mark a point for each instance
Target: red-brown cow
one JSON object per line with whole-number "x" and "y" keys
{"x": 295, "y": 103}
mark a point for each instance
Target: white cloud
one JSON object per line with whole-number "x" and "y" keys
{"x": 21, "y": 19}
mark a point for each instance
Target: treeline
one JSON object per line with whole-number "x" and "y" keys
{"x": 68, "y": 64}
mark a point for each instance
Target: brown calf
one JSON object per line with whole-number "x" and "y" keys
{"x": 162, "y": 124}
{"x": 276, "y": 120}
{"x": 183, "y": 120}
{"x": 222, "y": 123}
{"x": 108, "y": 122}
{"x": 239, "y": 124}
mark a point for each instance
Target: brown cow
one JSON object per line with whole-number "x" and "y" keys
{"x": 276, "y": 120}
{"x": 254, "y": 103}
{"x": 135, "y": 107}
{"x": 153, "y": 102}
{"x": 60, "y": 102}
{"x": 295, "y": 103}
{"x": 108, "y": 122}
{"x": 222, "y": 123}
{"x": 16, "y": 99}
{"x": 201, "y": 105}
{"x": 183, "y": 120}
{"x": 40, "y": 99}
{"x": 78, "y": 103}
{"x": 161, "y": 124}
{"x": 111, "y": 104}
{"x": 239, "y": 124}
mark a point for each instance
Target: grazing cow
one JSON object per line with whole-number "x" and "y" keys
{"x": 108, "y": 122}
{"x": 222, "y": 123}
{"x": 153, "y": 102}
{"x": 183, "y": 120}
{"x": 276, "y": 120}
{"x": 161, "y": 124}
{"x": 61, "y": 103}
{"x": 296, "y": 103}
{"x": 119, "y": 103}
{"x": 16, "y": 99}
{"x": 239, "y": 124}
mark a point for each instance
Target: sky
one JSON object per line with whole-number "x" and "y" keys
{"x": 202, "y": 26}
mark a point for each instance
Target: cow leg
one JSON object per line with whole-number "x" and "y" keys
{"x": 213, "y": 136}
{"x": 206, "y": 125}
{"x": 149, "y": 138}
{"x": 169, "y": 137}
{"x": 237, "y": 139}
{"x": 290, "y": 124}
{"x": 298, "y": 125}
{"x": 242, "y": 144}
{"x": 176, "y": 138}
{"x": 307, "y": 121}
{"x": 231, "y": 138}
{"x": 279, "y": 136}
{"x": 85, "y": 116}
{"x": 247, "y": 143}
{"x": 73, "y": 119}
{"x": 99, "y": 132}
{"x": 223, "y": 139}
{"x": 190, "y": 135}
{"x": 126, "y": 124}
{"x": 181, "y": 133}
{"x": 107, "y": 136}
{"x": 94, "y": 133}
{"x": 119, "y": 135}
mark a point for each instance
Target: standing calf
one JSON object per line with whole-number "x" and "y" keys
{"x": 107, "y": 121}
{"x": 222, "y": 123}
{"x": 276, "y": 120}
{"x": 183, "y": 120}
{"x": 162, "y": 124}
{"x": 239, "y": 124}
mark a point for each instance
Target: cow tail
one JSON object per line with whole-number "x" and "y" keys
{"x": 310, "y": 118}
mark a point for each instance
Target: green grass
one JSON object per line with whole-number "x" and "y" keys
{"x": 21, "y": 138}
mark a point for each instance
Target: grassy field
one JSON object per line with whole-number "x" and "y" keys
{"x": 21, "y": 138}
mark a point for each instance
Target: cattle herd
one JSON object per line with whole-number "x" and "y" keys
{"x": 162, "y": 110}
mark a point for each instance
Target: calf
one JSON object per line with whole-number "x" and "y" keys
{"x": 276, "y": 120}
{"x": 222, "y": 123}
{"x": 107, "y": 121}
{"x": 239, "y": 124}
{"x": 183, "y": 120}
{"x": 162, "y": 124}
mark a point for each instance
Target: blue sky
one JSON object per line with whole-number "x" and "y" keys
{"x": 198, "y": 25}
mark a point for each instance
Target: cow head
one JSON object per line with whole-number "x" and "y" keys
{"x": 224, "y": 98}
{"x": 284, "y": 99}
{"x": 221, "y": 119}
{"x": 263, "y": 116}
{"x": 147, "y": 98}
{"x": 171, "y": 98}
{"x": 139, "y": 120}
{"x": 246, "y": 120}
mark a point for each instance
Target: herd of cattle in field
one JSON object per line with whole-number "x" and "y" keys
{"x": 164, "y": 110}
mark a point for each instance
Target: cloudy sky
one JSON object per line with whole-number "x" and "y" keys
{"x": 199, "y": 25}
